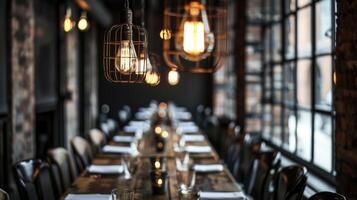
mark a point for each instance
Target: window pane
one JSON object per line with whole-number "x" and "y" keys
{"x": 289, "y": 129}
{"x": 277, "y": 42}
{"x": 278, "y": 72}
{"x": 277, "y": 124}
{"x": 267, "y": 122}
{"x": 323, "y": 83}
{"x": 304, "y": 83}
{"x": 303, "y": 2}
{"x": 290, "y": 5}
{"x": 304, "y": 32}
{"x": 289, "y": 79}
{"x": 304, "y": 136}
{"x": 277, "y": 11}
{"x": 323, "y": 143}
{"x": 323, "y": 26}
{"x": 267, "y": 45}
{"x": 267, "y": 82}
{"x": 290, "y": 37}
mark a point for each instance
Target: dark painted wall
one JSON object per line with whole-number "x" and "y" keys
{"x": 192, "y": 90}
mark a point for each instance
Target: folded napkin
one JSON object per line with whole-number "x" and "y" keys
{"x": 106, "y": 169}
{"x": 124, "y": 138}
{"x": 193, "y": 138}
{"x": 117, "y": 149}
{"x": 187, "y": 129}
{"x": 198, "y": 149}
{"x": 88, "y": 197}
{"x": 222, "y": 195}
{"x": 208, "y": 167}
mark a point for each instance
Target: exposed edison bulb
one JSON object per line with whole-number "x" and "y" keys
{"x": 173, "y": 77}
{"x": 144, "y": 65}
{"x": 194, "y": 38}
{"x": 152, "y": 78}
{"x": 126, "y": 60}
{"x": 68, "y": 23}
{"x": 83, "y": 23}
{"x": 165, "y": 34}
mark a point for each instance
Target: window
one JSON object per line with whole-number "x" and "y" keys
{"x": 225, "y": 78}
{"x": 298, "y": 113}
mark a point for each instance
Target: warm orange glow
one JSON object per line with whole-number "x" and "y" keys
{"x": 165, "y": 134}
{"x": 165, "y": 34}
{"x": 68, "y": 23}
{"x": 193, "y": 37}
{"x": 157, "y": 164}
{"x": 158, "y": 130}
{"x": 163, "y": 105}
{"x": 83, "y": 23}
{"x": 159, "y": 181}
{"x": 334, "y": 78}
{"x": 126, "y": 59}
{"x": 173, "y": 77}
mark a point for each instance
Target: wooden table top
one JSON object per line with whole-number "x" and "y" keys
{"x": 141, "y": 181}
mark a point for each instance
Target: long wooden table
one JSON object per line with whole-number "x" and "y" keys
{"x": 141, "y": 182}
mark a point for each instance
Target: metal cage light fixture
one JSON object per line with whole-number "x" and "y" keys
{"x": 195, "y": 35}
{"x": 125, "y": 50}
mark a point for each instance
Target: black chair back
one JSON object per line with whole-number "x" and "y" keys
{"x": 63, "y": 165}
{"x": 97, "y": 139}
{"x": 249, "y": 148}
{"x": 327, "y": 196}
{"x": 35, "y": 180}
{"x": 4, "y": 195}
{"x": 290, "y": 183}
{"x": 263, "y": 171}
{"x": 82, "y": 152}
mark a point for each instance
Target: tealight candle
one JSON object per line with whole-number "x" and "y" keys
{"x": 158, "y": 182}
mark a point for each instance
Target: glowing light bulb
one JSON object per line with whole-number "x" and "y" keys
{"x": 158, "y": 130}
{"x": 144, "y": 65}
{"x": 83, "y": 23}
{"x": 159, "y": 181}
{"x": 68, "y": 23}
{"x": 173, "y": 77}
{"x": 165, "y": 34}
{"x": 165, "y": 134}
{"x": 194, "y": 38}
{"x": 152, "y": 78}
{"x": 157, "y": 164}
{"x": 126, "y": 60}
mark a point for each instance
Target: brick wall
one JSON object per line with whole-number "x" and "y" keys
{"x": 346, "y": 98}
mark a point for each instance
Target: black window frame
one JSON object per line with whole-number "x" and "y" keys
{"x": 268, "y": 65}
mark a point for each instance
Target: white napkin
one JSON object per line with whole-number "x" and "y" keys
{"x": 208, "y": 168}
{"x": 187, "y": 129}
{"x": 193, "y": 138}
{"x": 198, "y": 149}
{"x": 222, "y": 195}
{"x": 88, "y": 197}
{"x": 106, "y": 169}
{"x": 123, "y": 138}
{"x": 117, "y": 149}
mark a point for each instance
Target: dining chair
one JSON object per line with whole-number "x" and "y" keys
{"x": 230, "y": 137}
{"x": 97, "y": 139}
{"x": 250, "y": 146}
{"x": 82, "y": 152}
{"x": 62, "y": 164}
{"x": 35, "y": 180}
{"x": 4, "y": 195}
{"x": 327, "y": 196}
{"x": 263, "y": 170}
{"x": 290, "y": 183}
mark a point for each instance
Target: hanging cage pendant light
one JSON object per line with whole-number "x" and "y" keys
{"x": 195, "y": 35}
{"x": 125, "y": 50}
